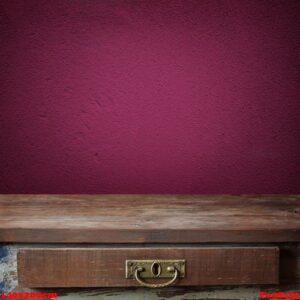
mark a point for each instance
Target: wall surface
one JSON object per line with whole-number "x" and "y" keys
{"x": 137, "y": 96}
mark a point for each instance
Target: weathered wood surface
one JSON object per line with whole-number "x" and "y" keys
{"x": 8, "y": 269}
{"x": 88, "y": 267}
{"x": 149, "y": 218}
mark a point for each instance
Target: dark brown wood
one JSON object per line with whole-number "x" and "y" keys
{"x": 92, "y": 267}
{"x": 290, "y": 264}
{"x": 149, "y": 218}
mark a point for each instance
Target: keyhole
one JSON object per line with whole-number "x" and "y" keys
{"x": 156, "y": 269}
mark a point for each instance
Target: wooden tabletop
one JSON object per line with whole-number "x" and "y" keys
{"x": 149, "y": 218}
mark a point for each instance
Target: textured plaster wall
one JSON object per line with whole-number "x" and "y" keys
{"x": 141, "y": 96}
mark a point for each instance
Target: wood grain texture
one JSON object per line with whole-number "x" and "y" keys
{"x": 79, "y": 267}
{"x": 149, "y": 218}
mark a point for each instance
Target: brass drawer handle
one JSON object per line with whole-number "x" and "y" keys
{"x": 144, "y": 269}
{"x": 156, "y": 285}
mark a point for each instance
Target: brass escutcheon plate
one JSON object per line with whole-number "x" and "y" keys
{"x": 155, "y": 268}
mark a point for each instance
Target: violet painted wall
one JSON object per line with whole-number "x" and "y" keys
{"x": 177, "y": 96}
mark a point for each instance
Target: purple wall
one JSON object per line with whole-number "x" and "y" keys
{"x": 149, "y": 96}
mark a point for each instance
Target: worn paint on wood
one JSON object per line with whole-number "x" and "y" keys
{"x": 167, "y": 294}
{"x": 8, "y": 268}
{"x": 199, "y": 293}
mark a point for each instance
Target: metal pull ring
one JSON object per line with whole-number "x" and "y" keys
{"x": 156, "y": 285}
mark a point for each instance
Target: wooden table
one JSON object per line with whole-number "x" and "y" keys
{"x": 85, "y": 240}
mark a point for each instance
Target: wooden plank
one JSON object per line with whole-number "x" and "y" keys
{"x": 149, "y": 218}
{"x": 88, "y": 267}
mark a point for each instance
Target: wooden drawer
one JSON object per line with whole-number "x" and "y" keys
{"x": 106, "y": 267}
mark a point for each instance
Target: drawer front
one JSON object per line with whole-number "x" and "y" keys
{"x": 106, "y": 267}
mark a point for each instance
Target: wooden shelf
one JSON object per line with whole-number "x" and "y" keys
{"x": 149, "y": 218}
